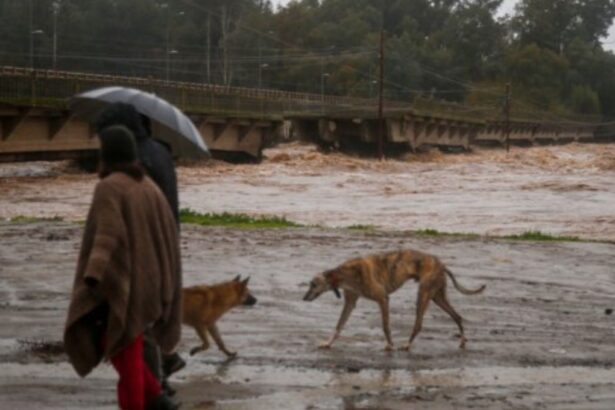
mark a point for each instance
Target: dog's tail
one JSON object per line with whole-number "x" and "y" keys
{"x": 460, "y": 288}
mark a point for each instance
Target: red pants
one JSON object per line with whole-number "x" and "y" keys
{"x": 137, "y": 385}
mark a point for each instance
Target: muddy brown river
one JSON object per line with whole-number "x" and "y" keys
{"x": 563, "y": 190}
{"x": 541, "y": 336}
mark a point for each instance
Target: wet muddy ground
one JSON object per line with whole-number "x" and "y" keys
{"x": 541, "y": 336}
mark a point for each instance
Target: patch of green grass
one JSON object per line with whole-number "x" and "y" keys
{"x": 428, "y": 232}
{"x": 361, "y": 227}
{"x": 235, "y": 220}
{"x": 436, "y": 233}
{"x": 32, "y": 219}
{"x": 525, "y": 236}
{"x": 541, "y": 236}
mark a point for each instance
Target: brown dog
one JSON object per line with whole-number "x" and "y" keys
{"x": 375, "y": 277}
{"x": 204, "y": 305}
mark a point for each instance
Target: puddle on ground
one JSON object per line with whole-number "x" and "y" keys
{"x": 368, "y": 379}
{"x": 376, "y": 379}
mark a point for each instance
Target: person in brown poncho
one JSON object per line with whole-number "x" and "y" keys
{"x": 128, "y": 278}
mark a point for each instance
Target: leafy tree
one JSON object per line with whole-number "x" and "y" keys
{"x": 554, "y": 24}
{"x": 452, "y": 50}
{"x": 475, "y": 37}
{"x": 538, "y": 75}
{"x": 584, "y": 100}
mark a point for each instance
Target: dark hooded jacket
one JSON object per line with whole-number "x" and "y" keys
{"x": 154, "y": 156}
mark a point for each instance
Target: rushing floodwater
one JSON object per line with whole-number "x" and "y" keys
{"x": 566, "y": 190}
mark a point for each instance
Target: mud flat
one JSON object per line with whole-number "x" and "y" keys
{"x": 541, "y": 335}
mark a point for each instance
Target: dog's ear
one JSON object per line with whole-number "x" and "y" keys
{"x": 245, "y": 281}
{"x": 337, "y": 292}
{"x": 237, "y": 278}
{"x": 418, "y": 265}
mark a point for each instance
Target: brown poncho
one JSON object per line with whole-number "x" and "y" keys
{"x": 130, "y": 245}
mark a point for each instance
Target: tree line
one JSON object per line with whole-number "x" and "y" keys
{"x": 460, "y": 51}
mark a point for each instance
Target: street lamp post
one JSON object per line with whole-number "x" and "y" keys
{"x": 322, "y": 90}
{"x": 56, "y": 8}
{"x": 169, "y": 54}
{"x": 167, "y": 49}
{"x": 371, "y": 87}
{"x": 262, "y": 65}
{"x": 32, "y": 34}
{"x": 260, "y": 74}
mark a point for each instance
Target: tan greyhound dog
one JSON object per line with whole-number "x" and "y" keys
{"x": 375, "y": 277}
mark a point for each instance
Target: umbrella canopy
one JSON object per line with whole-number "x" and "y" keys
{"x": 169, "y": 124}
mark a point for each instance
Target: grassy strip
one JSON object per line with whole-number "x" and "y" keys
{"x": 436, "y": 233}
{"x": 244, "y": 221}
{"x": 361, "y": 227}
{"x": 540, "y": 236}
{"x": 235, "y": 220}
{"x": 525, "y": 236}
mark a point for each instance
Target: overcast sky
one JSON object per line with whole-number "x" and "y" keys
{"x": 507, "y": 7}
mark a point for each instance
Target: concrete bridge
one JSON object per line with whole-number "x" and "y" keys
{"x": 238, "y": 122}
{"x": 413, "y": 131}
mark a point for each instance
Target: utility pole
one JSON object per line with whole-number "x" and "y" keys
{"x": 380, "y": 99}
{"x": 507, "y": 117}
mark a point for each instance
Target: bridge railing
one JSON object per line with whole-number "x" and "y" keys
{"x": 53, "y": 88}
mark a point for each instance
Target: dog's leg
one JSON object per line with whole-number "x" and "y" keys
{"x": 441, "y": 300}
{"x": 421, "y": 307}
{"x": 203, "y": 336}
{"x": 350, "y": 301}
{"x": 213, "y": 331}
{"x": 384, "y": 311}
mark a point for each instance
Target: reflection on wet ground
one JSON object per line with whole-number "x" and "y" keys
{"x": 539, "y": 337}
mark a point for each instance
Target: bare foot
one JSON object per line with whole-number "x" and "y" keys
{"x": 230, "y": 354}
{"x": 389, "y": 347}
{"x": 405, "y": 348}
{"x": 324, "y": 345}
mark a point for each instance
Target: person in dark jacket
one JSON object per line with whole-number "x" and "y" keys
{"x": 158, "y": 162}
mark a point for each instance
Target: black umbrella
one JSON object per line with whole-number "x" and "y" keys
{"x": 168, "y": 122}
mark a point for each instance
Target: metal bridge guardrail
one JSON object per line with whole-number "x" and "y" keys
{"x": 24, "y": 86}
{"x": 52, "y": 88}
